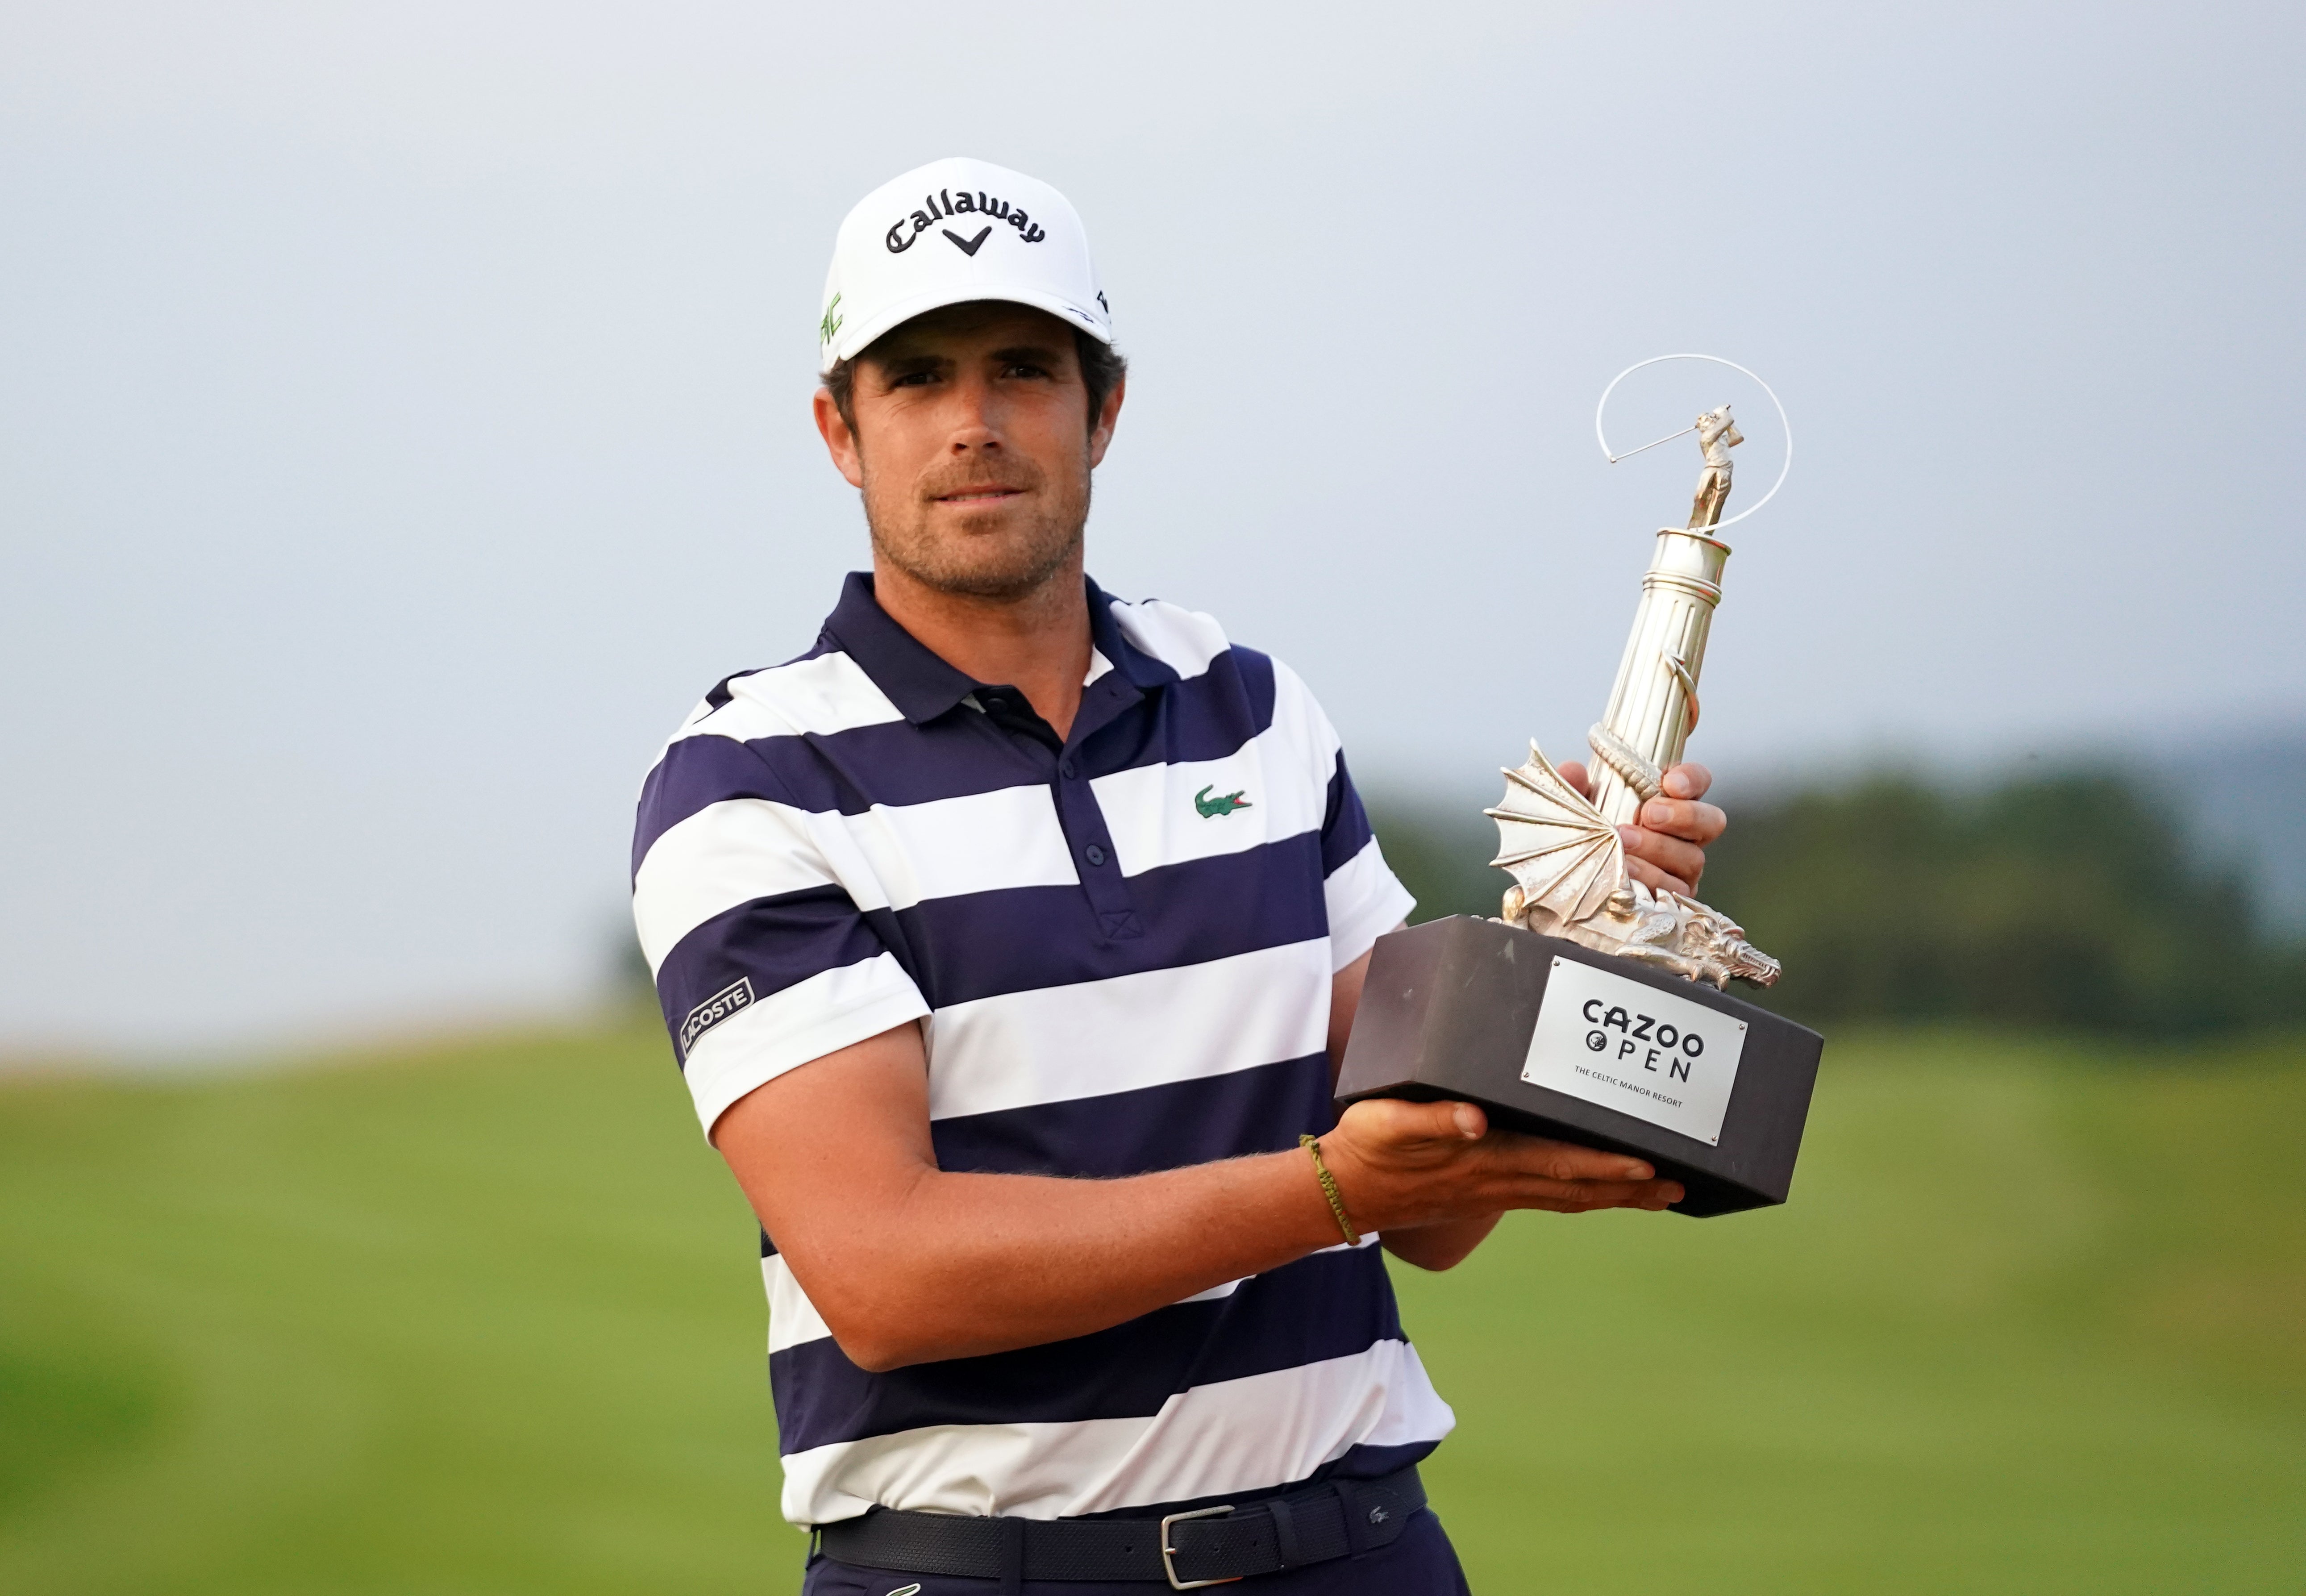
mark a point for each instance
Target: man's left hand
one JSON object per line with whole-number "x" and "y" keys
{"x": 1668, "y": 848}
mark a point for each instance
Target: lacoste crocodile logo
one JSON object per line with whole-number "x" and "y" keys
{"x": 1211, "y": 807}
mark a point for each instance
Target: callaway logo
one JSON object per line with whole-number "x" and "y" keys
{"x": 900, "y": 239}
{"x": 1211, "y": 807}
{"x": 712, "y": 1010}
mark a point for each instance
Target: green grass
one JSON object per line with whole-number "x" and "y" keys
{"x": 486, "y": 1319}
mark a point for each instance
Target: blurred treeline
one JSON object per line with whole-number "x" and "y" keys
{"x": 2068, "y": 900}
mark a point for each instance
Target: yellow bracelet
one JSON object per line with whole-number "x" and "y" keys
{"x": 1313, "y": 1144}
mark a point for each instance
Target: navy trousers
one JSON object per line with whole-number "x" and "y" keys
{"x": 1421, "y": 1562}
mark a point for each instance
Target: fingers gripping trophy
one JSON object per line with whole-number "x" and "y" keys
{"x": 1596, "y": 1008}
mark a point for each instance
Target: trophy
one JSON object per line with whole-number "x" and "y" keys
{"x": 1594, "y": 1009}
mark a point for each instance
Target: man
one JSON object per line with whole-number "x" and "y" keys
{"x": 1009, "y": 939}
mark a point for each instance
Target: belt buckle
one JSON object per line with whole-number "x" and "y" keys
{"x": 1169, "y": 1552}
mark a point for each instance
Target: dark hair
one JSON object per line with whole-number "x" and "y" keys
{"x": 1102, "y": 368}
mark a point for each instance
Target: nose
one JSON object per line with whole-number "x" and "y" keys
{"x": 976, "y": 422}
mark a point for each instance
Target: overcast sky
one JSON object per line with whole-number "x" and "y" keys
{"x": 403, "y": 412}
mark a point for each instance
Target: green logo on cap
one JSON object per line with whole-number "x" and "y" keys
{"x": 832, "y": 322}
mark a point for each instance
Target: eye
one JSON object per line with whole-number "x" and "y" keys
{"x": 1024, "y": 369}
{"x": 912, "y": 380}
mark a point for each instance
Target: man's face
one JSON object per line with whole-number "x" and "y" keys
{"x": 972, "y": 447}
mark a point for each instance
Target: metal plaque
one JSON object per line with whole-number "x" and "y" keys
{"x": 1629, "y": 1046}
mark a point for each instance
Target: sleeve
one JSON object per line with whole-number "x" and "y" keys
{"x": 1363, "y": 898}
{"x": 761, "y": 922}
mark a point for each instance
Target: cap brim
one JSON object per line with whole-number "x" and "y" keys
{"x": 857, "y": 337}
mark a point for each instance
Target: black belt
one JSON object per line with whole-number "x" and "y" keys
{"x": 1180, "y": 1549}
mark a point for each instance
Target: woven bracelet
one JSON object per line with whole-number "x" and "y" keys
{"x": 1313, "y": 1144}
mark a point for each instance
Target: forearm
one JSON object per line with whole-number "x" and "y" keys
{"x": 956, "y": 1265}
{"x": 1442, "y": 1246}
{"x": 910, "y": 1263}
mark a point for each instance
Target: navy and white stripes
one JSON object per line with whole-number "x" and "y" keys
{"x": 1111, "y": 979}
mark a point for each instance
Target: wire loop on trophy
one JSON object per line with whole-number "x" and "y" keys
{"x": 1782, "y": 422}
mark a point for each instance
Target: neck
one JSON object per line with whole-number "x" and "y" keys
{"x": 1037, "y": 641}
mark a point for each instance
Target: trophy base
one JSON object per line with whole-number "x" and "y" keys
{"x": 1557, "y": 1040}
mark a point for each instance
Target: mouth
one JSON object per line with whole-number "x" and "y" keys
{"x": 970, "y": 498}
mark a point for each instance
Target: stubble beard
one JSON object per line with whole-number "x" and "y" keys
{"x": 994, "y": 556}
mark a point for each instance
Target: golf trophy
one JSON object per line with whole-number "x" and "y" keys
{"x": 1594, "y": 1009}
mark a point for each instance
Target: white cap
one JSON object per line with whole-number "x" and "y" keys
{"x": 952, "y": 231}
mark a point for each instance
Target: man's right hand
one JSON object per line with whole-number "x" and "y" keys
{"x": 1400, "y": 1166}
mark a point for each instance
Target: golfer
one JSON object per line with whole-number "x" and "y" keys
{"x": 1009, "y": 938}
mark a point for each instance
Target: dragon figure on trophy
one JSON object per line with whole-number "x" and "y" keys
{"x": 1561, "y": 848}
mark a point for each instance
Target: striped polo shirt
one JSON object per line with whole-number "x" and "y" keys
{"x": 1120, "y": 946}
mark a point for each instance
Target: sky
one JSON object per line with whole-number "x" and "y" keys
{"x": 403, "y": 415}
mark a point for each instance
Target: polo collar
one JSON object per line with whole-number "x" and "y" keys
{"x": 1140, "y": 670}
{"x": 923, "y": 687}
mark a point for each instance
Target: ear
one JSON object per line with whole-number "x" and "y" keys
{"x": 1100, "y": 437}
{"x": 840, "y": 438}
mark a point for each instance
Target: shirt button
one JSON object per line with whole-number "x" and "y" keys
{"x": 1067, "y": 768}
{"x": 1093, "y": 854}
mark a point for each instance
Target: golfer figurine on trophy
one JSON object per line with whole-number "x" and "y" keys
{"x": 1579, "y": 1012}
{"x": 1717, "y": 435}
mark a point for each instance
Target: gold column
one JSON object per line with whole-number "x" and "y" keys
{"x": 1653, "y": 707}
